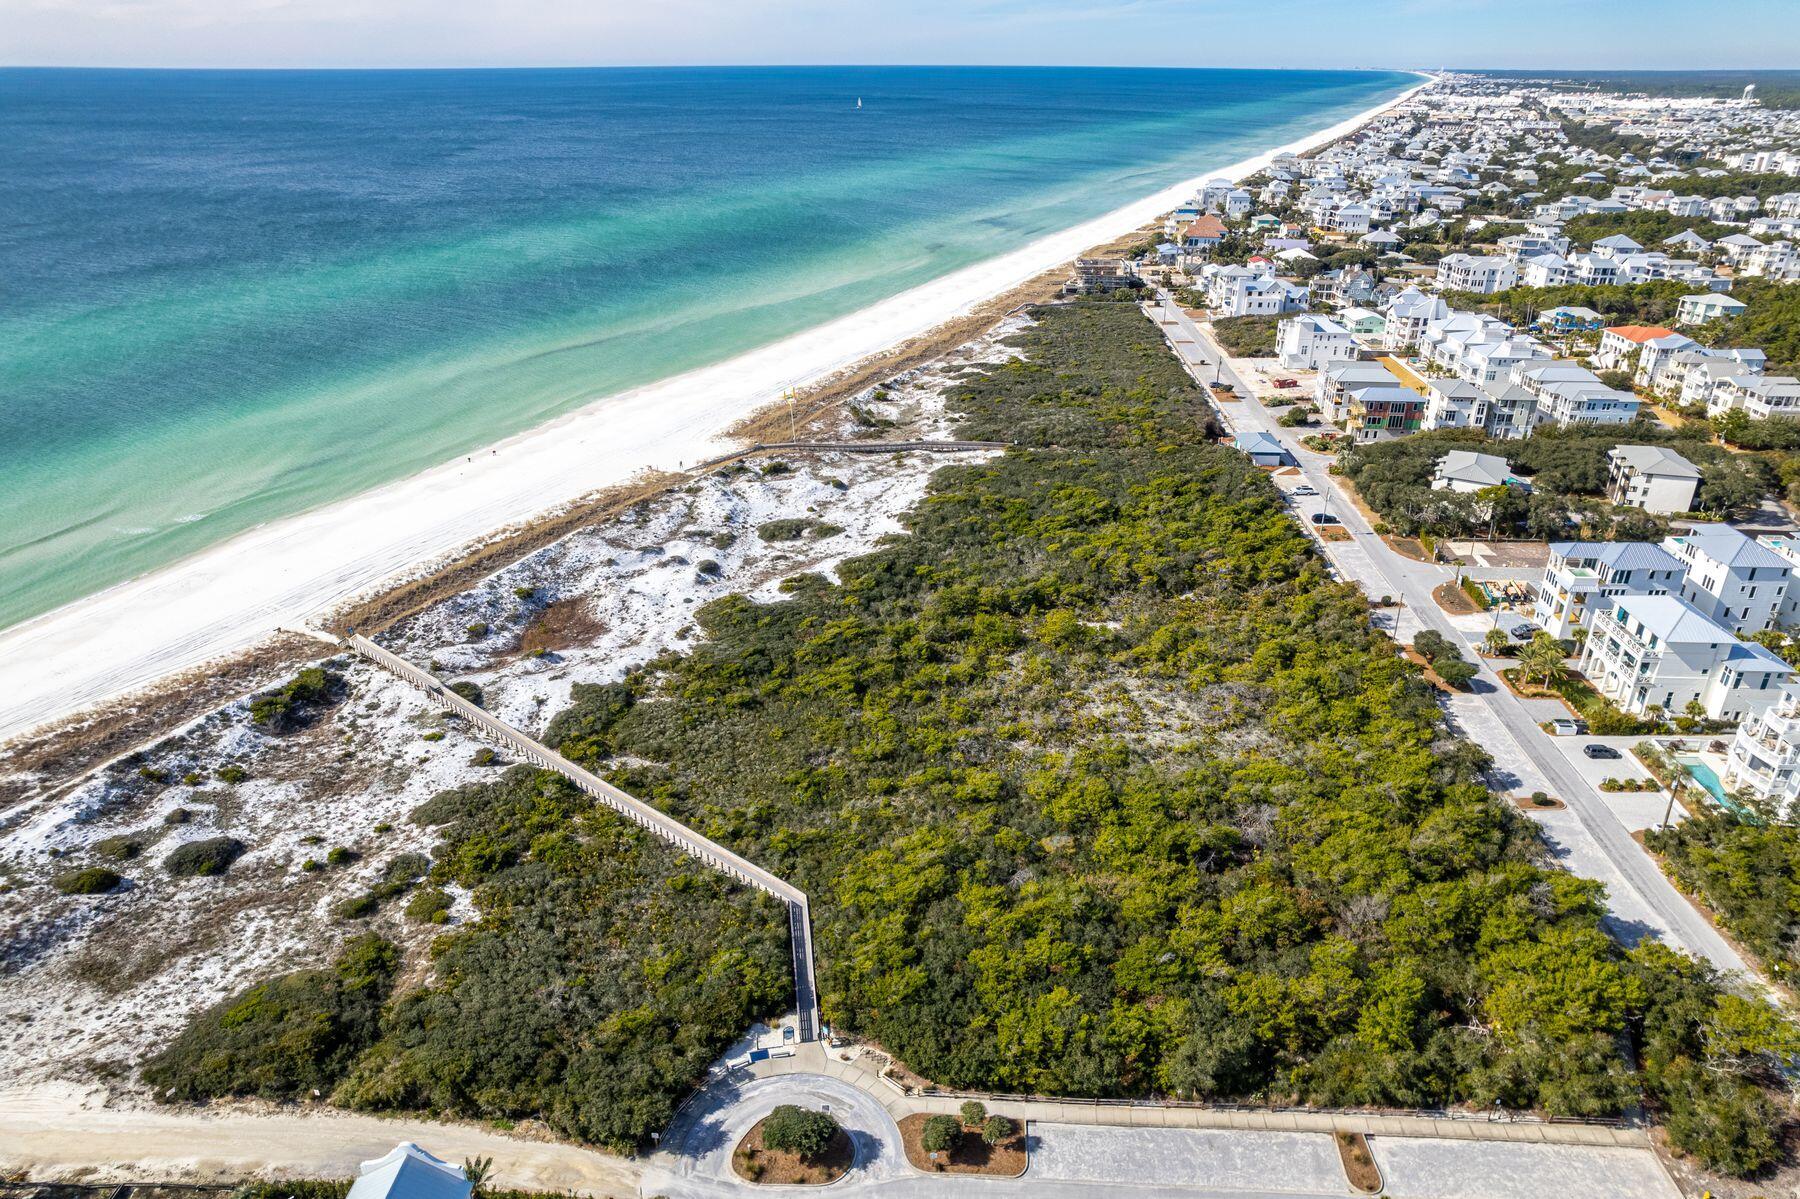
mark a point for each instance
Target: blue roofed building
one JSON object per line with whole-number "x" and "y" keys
{"x": 408, "y": 1172}
{"x": 1659, "y": 651}
{"x": 1583, "y": 576}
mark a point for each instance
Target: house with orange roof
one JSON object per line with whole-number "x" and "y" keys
{"x": 1624, "y": 347}
{"x": 1202, "y": 234}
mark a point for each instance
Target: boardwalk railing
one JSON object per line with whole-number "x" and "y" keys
{"x": 635, "y": 810}
{"x": 851, "y": 447}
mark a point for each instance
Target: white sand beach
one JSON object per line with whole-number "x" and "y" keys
{"x": 227, "y": 598}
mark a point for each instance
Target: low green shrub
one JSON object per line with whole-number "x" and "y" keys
{"x": 283, "y": 1038}
{"x": 429, "y": 905}
{"x": 94, "y": 880}
{"x": 290, "y": 706}
{"x": 119, "y": 849}
{"x": 199, "y": 859}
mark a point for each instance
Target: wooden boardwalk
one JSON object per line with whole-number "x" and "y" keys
{"x": 806, "y": 991}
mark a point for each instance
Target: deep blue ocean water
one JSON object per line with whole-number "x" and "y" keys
{"x": 230, "y": 296}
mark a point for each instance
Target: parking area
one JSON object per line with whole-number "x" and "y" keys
{"x": 1215, "y": 1161}
{"x": 1422, "y": 1169}
{"x": 1634, "y": 809}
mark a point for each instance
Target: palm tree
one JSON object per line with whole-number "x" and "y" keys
{"x": 1496, "y": 640}
{"x": 1542, "y": 657}
{"x": 476, "y": 1170}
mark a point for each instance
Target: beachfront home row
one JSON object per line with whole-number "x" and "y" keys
{"x": 1659, "y": 651}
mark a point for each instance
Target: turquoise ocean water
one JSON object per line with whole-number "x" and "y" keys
{"x": 230, "y": 296}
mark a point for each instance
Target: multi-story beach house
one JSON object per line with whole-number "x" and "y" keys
{"x": 1732, "y": 579}
{"x": 1483, "y": 274}
{"x": 1652, "y": 478}
{"x": 1707, "y": 306}
{"x": 1583, "y": 574}
{"x": 1310, "y": 341}
{"x": 1331, "y": 391}
{"x": 1764, "y": 758}
{"x": 1408, "y": 315}
{"x": 1659, "y": 651}
{"x": 1378, "y": 412}
{"x": 1620, "y": 345}
{"x": 1570, "y": 394}
{"x": 1759, "y": 396}
{"x": 1700, "y": 383}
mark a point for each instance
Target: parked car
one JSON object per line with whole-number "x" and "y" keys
{"x": 1522, "y": 631}
{"x": 1287, "y": 383}
{"x": 1600, "y": 751}
{"x": 1324, "y": 518}
{"x": 1305, "y": 489}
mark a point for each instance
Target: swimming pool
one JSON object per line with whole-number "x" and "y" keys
{"x": 1707, "y": 777}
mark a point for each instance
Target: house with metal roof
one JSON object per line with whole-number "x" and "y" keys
{"x": 1262, "y": 448}
{"x": 1651, "y": 477}
{"x": 1582, "y": 576}
{"x": 1468, "y": 471}
{"x": 408, "y": 1172}
{"x": 1659, "y": 651}
{"x": 1731, "y": 578}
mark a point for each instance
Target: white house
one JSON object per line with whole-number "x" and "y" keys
{"x": 1652, "y": 478}
{"x": 1484, "y": 274}
{"x": 1467, "y": 471}
{"x": 1616, "y": 246}
{"x": 1571, "y": 394}
{"x": 1310, "y": 341}
{"x": 1757, "y": 396}
{"x": 1620, "y": 345}
{"x": 1709, "y": 306}
{"x": 1645, "y": 651}
{"x": 1408, "y": 315}
{"x": 1582, "y": 576}
{"x": 1764, "y": 758}
{"x": 1700, "y": 384}
{"x": 408, "y": 1172}
{"x": 1730, "y": 578}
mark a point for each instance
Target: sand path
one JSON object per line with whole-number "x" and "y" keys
{"x": 65, "y": 1133}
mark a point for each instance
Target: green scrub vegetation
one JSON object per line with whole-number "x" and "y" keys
{"x": 1099, "y": 786}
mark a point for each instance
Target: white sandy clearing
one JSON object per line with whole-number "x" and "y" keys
{"x": 133, "y": 1144}
{"x": 90, "y": 986}
{"x": 228, "y": 597}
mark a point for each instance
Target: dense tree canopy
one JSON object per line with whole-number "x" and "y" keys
{"x": 1100, "y": 785}
{"x": 1567, "y": 469}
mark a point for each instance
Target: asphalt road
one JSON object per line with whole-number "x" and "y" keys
{"x": 1368, "y": 559}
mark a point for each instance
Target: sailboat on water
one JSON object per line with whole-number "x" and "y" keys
{"x": 859, "y": 101}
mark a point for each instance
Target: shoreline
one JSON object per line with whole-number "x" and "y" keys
{"x": 233, "y": 597}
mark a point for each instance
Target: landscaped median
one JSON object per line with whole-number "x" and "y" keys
{"x": 970, "y": 1142}
{"x": 794, "y": 1145}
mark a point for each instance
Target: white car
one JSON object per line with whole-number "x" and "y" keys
{"x": 1305, "y": 489}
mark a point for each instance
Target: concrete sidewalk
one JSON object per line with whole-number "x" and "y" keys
{"x": 864, "y": 1074}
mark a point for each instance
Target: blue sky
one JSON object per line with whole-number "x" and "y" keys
{"x": 1598, "y": 34}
